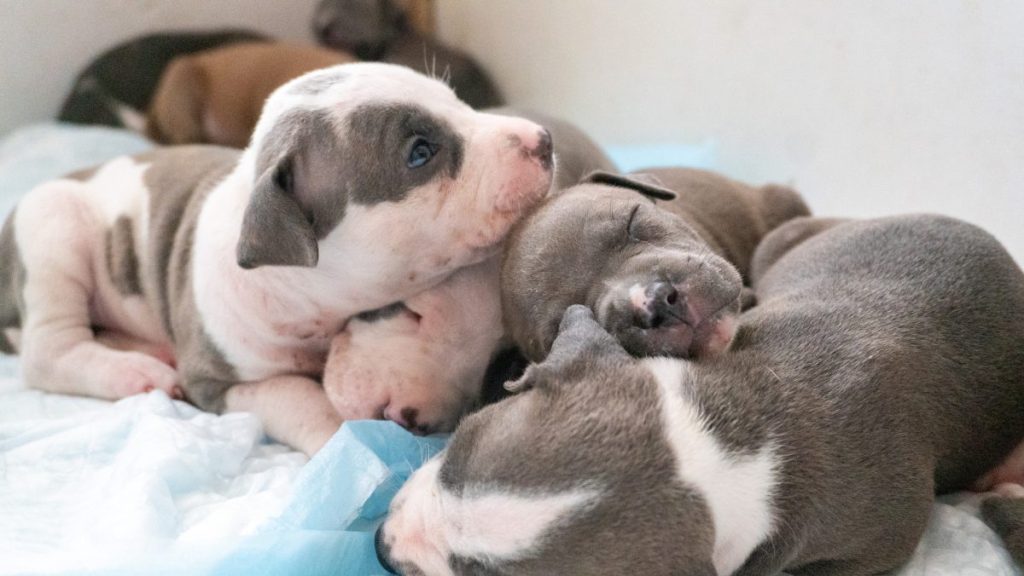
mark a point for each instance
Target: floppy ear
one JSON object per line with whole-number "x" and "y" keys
{"x": 646, "y": 184}
{"x": 580, "y": 338}
{"x": 275, "y": 230}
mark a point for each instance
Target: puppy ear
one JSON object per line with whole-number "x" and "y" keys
{"x": 646, "y": 184}
{"x": 581, "y": 337}
{"x": 275, "y": 230}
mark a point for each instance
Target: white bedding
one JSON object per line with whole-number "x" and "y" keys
{"x": 90, "y": 484}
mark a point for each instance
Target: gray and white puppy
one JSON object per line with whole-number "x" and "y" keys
{"x": 660, "y": 257}
{"x": 224, "y": 276}
{"x": 884, "y": 363}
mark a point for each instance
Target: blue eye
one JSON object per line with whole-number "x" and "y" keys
{"x": 421, "y": 153}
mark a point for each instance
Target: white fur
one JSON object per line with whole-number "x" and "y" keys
{"x": 428, "y": 523}
{"x": 736, "y": 487}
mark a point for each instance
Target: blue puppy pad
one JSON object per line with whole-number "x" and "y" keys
{"x": 327, "y": 528}
{"x": 34, "y": 154}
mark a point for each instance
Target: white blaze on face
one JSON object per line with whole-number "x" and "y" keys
{"x": 737, "y": 488}
{"x": 427, "y": 524}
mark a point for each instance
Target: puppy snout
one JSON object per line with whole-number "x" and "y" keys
{"x": 383, "y": 551}
{"x": 408, "y": 418}
{"x": 543, "y": 151}
{"x": 662, "y": 305}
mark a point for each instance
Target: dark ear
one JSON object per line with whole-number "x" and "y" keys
{"x": 580, "y": 339}
{"x": 646, "y": 184}
{"x": 275, "y": 230}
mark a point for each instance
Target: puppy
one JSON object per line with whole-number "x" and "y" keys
{"x": 380, "y": 30}
{"x": 660, "y": 257}
{"x": 882, "y": 364}
{"x": 365, "y": 184}
{"x": 215, "y": 96}
{"x": 117, "y": 87}
{"x": 431, "y": 352}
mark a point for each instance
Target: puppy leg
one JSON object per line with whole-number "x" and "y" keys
{"x": 423, "y": 365}
{"x": 58, "y": 349}
{"x": 294, "y": 410}
{"x": 1004, "y": 513}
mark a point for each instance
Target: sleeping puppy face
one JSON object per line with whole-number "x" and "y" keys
{"x": 653, "y": 283}
{"x": 381, "y": 176}
{"x": 575, "y": 475}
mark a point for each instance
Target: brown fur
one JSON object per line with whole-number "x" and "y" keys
{"x": 216, "y": 96}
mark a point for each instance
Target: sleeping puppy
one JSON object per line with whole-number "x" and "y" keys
{"x": 438, "y": 344}
{"x": 215, "y": 96}
{"x": 117, "y": 87}
{"x": 882, "y": 364}
{"x": 365, "y": 184}
{"x": 380, "y": 30}
{"x": 660, "y": 257}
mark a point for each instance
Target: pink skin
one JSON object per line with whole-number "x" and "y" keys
{"x": 143, "y": 381}
{"x": 1009, "y": 473}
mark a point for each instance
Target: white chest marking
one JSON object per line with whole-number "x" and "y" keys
{"x": 737, "y": 488}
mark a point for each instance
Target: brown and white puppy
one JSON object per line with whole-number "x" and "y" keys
{"x": 215, "y": 96}
{"x": 365, "y": 184}
{"x": 660, "y": 257}
{"x": 380, "y": 30}
{"x": 882, "y": 364}
{"x": 431, "y": 352}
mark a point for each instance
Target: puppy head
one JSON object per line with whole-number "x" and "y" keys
{"x": 363, "y": 27}
{"x": 571, "y": 476}
{"x": 654, "y": 284}
{"x": 375, "y": 170}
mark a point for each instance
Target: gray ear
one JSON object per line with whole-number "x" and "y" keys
{"x": 580, "y": 339}
{"x": 646, "y": 184}
{"x": 275, "y": 230}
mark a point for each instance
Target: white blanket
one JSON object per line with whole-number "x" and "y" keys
{"x": 86, "y": 484}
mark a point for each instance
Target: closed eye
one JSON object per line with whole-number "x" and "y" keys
{"x": 630, "y": 231}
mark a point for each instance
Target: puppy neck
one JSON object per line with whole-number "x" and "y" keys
{"x": 737, "y": 483}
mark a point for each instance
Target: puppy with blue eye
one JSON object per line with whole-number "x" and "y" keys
{"x": 222, "y": 276}
{"x": 661, "y": 257}
{"x": 882, "y": 364}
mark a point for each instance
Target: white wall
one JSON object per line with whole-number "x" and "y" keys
{"x": 868, "y": 107}
{"x": 44, "y": 44}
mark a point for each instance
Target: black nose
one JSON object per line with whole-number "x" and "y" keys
{"x": 664, "y": 307}
{"x": 544, "y": 149}
{"x": 383, "y": 551}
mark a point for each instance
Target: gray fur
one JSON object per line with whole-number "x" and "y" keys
{"x": 584, "y": 245}
{"x": 122, "y": 261}
{"x": 309, "y": 170}
{"x": 884, "y": 364}
{"x": 179, "y": 179}
{"x": 1005, "y": 516}
{"x": 12, "y": 276}
{"x": 379, "y": 30}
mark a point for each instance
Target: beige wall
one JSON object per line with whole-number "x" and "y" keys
{"x": 868, "y": 106}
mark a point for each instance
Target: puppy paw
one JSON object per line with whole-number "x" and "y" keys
{"x": 130, "y": 373}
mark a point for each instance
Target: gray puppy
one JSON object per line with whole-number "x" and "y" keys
{"x": 379, "y": 30}
{"x": 660, "y": 257}
{"x": 883, "y": 364}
